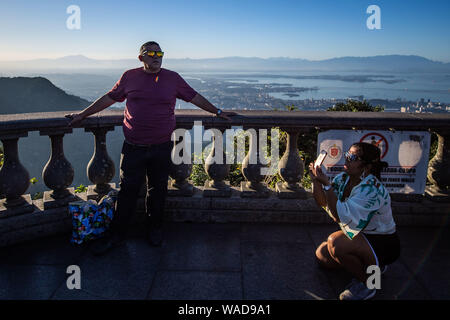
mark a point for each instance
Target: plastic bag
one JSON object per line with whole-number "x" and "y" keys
{"x": 89, "y": 219}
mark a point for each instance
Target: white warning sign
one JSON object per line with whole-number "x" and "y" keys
{"x": 406, "y": 152}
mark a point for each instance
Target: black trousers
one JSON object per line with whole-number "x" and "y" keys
{"x": 138, "y": 164}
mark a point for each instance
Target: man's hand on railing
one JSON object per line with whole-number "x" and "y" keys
{"x": 75, "y": 118}
{"x": 226, "y": 114}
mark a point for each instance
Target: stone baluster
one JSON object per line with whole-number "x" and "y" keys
{"x": 14, "y": 178}
{"x": 251, "y": 169}
{"x": 291, "y": 168}
{"x": 217, "y": 169}
{"x": 180, "y": 186}
{"x": 100, "y": 169}
{"x": 439, "y": 170}
{"x": 58, "y": 173}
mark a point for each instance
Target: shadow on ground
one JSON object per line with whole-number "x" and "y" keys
{"x": 219, "y": 261}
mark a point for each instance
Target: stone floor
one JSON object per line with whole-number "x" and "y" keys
{"x": 229, "y": 261}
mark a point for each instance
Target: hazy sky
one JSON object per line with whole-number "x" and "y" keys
{"x": 313, "y": 29}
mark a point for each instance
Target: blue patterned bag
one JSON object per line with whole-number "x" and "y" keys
{"x": 89, "y": 219}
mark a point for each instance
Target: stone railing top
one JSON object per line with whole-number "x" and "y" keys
{"x": 10, "y": 123}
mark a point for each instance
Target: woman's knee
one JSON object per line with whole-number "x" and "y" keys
{"x": 324, "y": 258}
{"x": 320, "y": 251}
{"x": 335, "y": 244}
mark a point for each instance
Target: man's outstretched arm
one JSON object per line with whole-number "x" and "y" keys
{"x": 99, "y": 105}
{"x": 204, "y": 104}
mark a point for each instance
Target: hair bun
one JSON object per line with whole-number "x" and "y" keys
{"x": 384, "y": 164}
{"x": 381, "y": 164}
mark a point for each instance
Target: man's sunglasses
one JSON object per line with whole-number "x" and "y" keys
{"x": 350, "y": 157}
{"x": 159, "y": 54}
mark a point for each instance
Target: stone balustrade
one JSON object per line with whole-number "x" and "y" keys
{"x": 58, "y": 172}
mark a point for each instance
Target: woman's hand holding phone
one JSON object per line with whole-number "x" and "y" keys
{"x": 316, "y": 170}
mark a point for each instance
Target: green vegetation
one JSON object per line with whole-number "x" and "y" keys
{"x": 307, "y": 145}
{"x": 199, "y": 176}
{"x": 81, "y": 188}
{"x": 356, "y": 106}
{"x": 433, "y": 146}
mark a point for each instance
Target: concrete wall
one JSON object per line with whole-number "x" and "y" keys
{"x": 41, "y": 223}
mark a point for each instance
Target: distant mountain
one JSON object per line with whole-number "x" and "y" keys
{"x": 72, "y": 63}
{"x": 22, "y": 95}
{"x": 392, "y": 63}
{"x": 396, "y": 63}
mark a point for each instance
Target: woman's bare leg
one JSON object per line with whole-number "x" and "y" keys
{"x": 353, "y": 255}
{"x": 324, "y": 258}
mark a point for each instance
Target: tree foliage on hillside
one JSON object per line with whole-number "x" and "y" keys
{"x": 356, "y": 106}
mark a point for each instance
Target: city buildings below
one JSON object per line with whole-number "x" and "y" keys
{"x": 426, "y": 107}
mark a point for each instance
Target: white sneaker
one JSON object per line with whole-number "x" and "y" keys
{"x": 357, "y": 291}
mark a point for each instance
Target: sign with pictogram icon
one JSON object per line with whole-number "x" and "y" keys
{"x": 378, "y": 140}
{"x": 406, "y": 153}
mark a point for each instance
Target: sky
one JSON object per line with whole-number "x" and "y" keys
{"x": 308, "y": 29}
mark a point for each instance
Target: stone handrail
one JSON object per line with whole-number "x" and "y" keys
{"x": 253, "y": 118}
{"x": 58, "y": 173}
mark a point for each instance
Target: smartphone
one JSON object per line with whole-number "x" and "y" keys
{"x": 320, "y": 159}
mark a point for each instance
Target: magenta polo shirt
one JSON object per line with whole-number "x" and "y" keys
{"x": 149, "y": 116}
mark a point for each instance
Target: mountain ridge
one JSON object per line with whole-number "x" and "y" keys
{"x": 394, "y": 62}
{"x": 35, "y": 94}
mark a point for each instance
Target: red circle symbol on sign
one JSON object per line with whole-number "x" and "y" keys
{"x": 377, "y": 140}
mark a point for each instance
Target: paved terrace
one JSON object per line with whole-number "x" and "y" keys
{"x": 219, "y": 261}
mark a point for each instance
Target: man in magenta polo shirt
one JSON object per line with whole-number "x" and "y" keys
{"x": 149, "y": 120}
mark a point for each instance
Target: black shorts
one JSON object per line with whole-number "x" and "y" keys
{"x": 386, "y": 247}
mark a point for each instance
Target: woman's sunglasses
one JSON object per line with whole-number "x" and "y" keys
{"x": 159, "y": 54}
{"x": 350, "y": 157}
